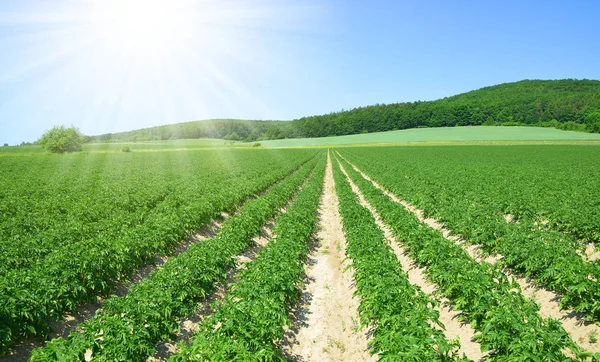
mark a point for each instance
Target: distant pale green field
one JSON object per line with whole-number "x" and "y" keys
{"x": 442, "y": 135}
{"x": 150, "y": 146}
{"x": 422, "y": 136}
{"x": 163, "y": 145}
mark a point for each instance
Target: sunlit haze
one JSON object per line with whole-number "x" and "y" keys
{"x": 117, "y": 65}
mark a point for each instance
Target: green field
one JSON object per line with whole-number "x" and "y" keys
{"x": 149, "y": 146}
{"x": 73, "y": 226}
{"x": 441, "y": 135}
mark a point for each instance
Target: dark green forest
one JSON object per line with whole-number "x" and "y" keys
{"x": 564, "y": 104}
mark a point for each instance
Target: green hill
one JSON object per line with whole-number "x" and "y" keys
{"x": 568, "y": 104}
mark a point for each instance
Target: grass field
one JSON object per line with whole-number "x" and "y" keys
{"x": 441, "y": 135}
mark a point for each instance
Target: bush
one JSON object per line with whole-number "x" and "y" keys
{"x": 62, "y": 139}
{"x": 126, "y": 149}
{"x": 257, "y": 144}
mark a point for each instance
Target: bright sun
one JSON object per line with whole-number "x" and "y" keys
{"x": 138, "y": 27}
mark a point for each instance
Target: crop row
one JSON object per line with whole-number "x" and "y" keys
{"x": 49, "y": 203}
{"x": 127, "y": 328}
{"x": 405, "y": 323}
{"x": 555, "y": 184}
{"x": 76, "y": 273}
{"x": 509, "y": 325}
{"x": 548, "y": 257}
{"x": 247, "y": 324}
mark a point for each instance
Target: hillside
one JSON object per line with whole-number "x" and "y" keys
{"x": 564, "y": 104}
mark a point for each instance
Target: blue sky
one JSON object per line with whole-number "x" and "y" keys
{"x": 116, "y": 65}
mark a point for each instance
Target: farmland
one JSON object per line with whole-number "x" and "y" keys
{"x": 352, "y": 253}
{"x": 483, "y": 135}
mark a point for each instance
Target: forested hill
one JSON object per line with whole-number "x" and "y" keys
{"x": 566, "y": 104}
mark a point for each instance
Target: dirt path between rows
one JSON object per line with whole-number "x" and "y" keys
{"x": 590, "y": 252}
{"x": 416, "y": 276}
{"x": 585, "y": 334}
{"x": 330, "y": 328}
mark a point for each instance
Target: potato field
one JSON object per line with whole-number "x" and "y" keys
{"x": 406, "y": 253}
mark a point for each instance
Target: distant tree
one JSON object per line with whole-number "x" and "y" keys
{"x": 233, "y": 136}
{"x": 593, "y": 121}
{"x": 6, "y": 145}
{"x": 61, "y": 139}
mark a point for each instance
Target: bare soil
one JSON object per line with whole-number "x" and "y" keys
{"x": 590, "y": 252}
{"x": 328, "y": 327}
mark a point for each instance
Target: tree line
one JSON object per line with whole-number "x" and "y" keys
{"x": 564, "y": 104}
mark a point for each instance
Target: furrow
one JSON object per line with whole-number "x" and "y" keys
{"x": 403, "y": 321}
{"x": 78, "y": 274}
{"x": 85, "y": 312}
{"x": 328, "y": 327}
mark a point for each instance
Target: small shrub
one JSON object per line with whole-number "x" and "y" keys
{"x": 126, "y": 149}
{"x": 62, "y": 139}
{"x": 257, "y": 144}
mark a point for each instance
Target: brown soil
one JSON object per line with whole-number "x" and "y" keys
{"x": 590, "y": 252}
{"x": 328, "y": 325}
{"x": 416, "y": 276}
{"x": 509, "y": 217}
{"x": 581, "y": 332}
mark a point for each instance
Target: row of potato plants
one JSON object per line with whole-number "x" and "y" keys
{"x": 128, "y": 328}
{"x": 548, "y": 257}
{"x": 249, "y": 322}
{"x": 404, "y": 323}
{"x": 74, "y": 274}
{"x": 554, "y": 184}
{"x": 49, "y": 202}
{"x": 509, "y": 325}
